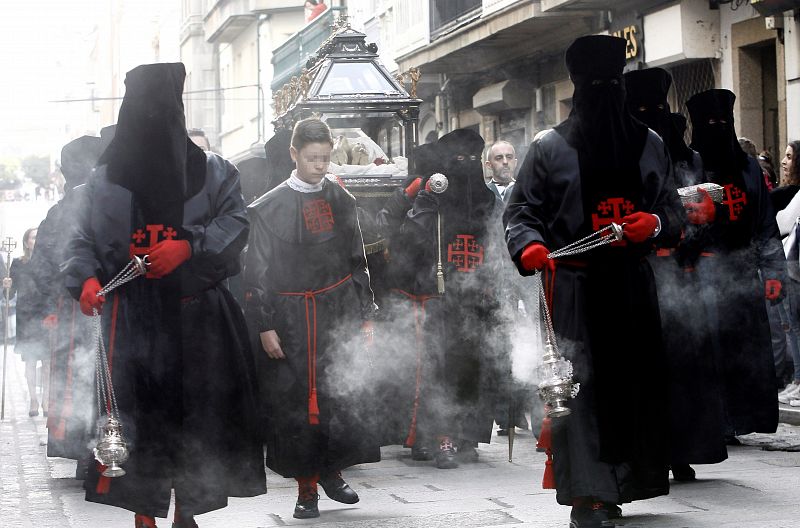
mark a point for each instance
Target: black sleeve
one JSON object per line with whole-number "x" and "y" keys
{"x": 259, "y": 298}
{"x": 218, "y": 245}
{"x": 46, "y": 259}
{"x": 81, "y": 260}
{"x": 523, "y": 215}
{"x": 767, "y": 239}
{"x": 390, "y": 217}
{"x": 667, "y": 205}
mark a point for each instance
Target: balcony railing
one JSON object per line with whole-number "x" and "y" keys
{"x": 291, "y": 56}
{"x": 446, "y": 14}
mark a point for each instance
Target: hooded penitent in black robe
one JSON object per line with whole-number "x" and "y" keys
{"x": 72, "y": 410}
{"x": 306, "y": 278}
{"x": 456, "y": 333}
{"x": 399, "y": 331}
{"x": 595, "y": 168}
{"x": 182, "y": 369}
{"x": 729, "y": 254}
{"x": 697, "y": 435}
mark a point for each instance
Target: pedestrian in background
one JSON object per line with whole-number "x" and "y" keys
{"x": 31, "y": 341}
{"x": 787, "y": 219}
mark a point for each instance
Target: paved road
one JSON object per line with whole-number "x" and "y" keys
{"x": 754, "y": 489}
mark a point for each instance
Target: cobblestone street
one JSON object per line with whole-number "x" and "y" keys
{"x": 754, "y": 488}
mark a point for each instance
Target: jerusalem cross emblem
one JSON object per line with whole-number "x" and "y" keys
{"x": 465, "y": 253}
{"x": 145, "y": 239}
{"x": 735, "y": 199}
{"x": 318, "y": 216}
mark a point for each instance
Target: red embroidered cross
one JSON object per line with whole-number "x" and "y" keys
{"x": 465, "y": 253}
{"x": 318, "y": 216}
{"x": 735, "y": 199}
{"x": 139, "y": 247}
{"x": 611, "y": 210}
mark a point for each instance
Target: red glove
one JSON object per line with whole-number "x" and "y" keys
{"x": 702, "y": 212}
{"x": 50, "y": 322}
{"x": 772, "y": 289}
{"x": 167, "y": 255}
{"x": 534, "y": 257}
{"x": 639, "y": 226}
{"x": 413, "y": 188}
{"x": 89, "y": 299}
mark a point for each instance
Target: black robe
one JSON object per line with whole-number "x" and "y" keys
{"x": 688, "y": 307}
{"x": 306, "y": 278}
{"x": 31, "y": 342}
{"x": 613, "y": 446}
{"x": 72, "y": 412}
{"x": 729, "y": 255}
{"x": 447, "y": 379}
{"x": 185, "y": 384}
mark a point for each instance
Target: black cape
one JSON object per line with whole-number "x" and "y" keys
{"x": 184, "y": 384}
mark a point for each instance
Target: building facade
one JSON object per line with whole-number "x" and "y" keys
{"x": 497, "y": 66}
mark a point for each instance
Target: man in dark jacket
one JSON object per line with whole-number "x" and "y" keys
{"x": 182, "y": 370}
{"x": 601, "y": 166}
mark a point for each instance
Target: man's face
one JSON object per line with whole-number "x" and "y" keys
{"x": 312, "y": 161}
{"x": 502, "y": 162}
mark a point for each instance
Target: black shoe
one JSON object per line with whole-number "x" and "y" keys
{"x": 502, "y": 432}
{"x": 595, "y": 516}
{"x": 613, "y": 510}
{"x": 732, "y": 441}
{"x": 446, "y": 455}
{"x": 337, "y": 489}
{"x": 467, "y": 453}
{"x": 306, "y": 507}
{"x": 683, "y": 473}
{"x": 420, "y": 453}
{"x": 185, "y": 523}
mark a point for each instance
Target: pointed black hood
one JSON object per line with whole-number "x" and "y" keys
{"x": 151, "y": 154}
{"x": 78, "y": 158}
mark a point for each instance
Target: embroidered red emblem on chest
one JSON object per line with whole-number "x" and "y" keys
{"x": 735, "y": 199}
{"x": 465, "y": 253}
{"x": 145, "y": 239}
{"x": 612, "y": 210}
{"x": 318, "y": 216}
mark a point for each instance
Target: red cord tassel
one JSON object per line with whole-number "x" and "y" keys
{"x": 545, "y": 440}
{"x": 313, "y": 408}
{"x": 103, "y": 483}
{"x": 549, "y": 478}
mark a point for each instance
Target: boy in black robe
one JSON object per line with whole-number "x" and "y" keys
{"x": 738, "y": 251}
{"x": 308, "y": 293}
{"x": 597, "y": 167}
{"x": 182, "y": 372}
